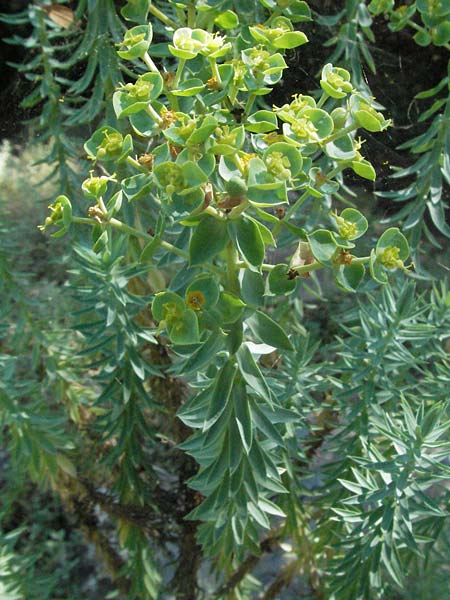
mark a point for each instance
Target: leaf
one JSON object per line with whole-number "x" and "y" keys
{"x": 323, "y": 245}
{"x": 252, "y": 374}
{"x": 166, "y": 298}
{"x": 184, "y": 330}
{"x": 252, "y": 288}
{"x": 227, "y": 19}
{"x": 229, "y": 308}
{"x": 258, "y": 515}
{"x": 278, "y": 281}
{"x": 201, "y": 357}
{"x": 341, "y": 148}
{"x": 262, "y": 121}
{"x": 269, "y": 507}
{"x": 208, "y": 239}
{"x": 243, "y": 418}
{"x": 266, "y": 427}
{"x": 136, "y": 10}
{"x": 221, "y": 393}
{"x": 247, "y": 238}
{"x": 207, "y": 288}
{"x": 269, "y": 332}
{"x": 364, "y": 168}
{"x": 348, "y": 277}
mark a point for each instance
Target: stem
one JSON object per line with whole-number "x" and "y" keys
{"x": 340, "y": 133}
{"x": 215, "y": 70}
{"x": 210, "y": 210}
{"x": 323, "y": 98}
{"x": 173, "y": 101}
{"x": 156, "y": 12}
{"x": 248, "y": 105}
{"x": 180, "y": 68}
{"x": 290, "y": 212}
{"x": 102, "y": 206}
{"x": 232, "y": 268}
{"x": 360, "y": 260}
{"x": 150, "y": 64}
{"x": 191, "y": 16}
{"x": 145, "y": 236}
{"x": 238, "y": 210}
{"x": 134, "y": 163}
{"x": 142, "y": 234}
{"x": 154, "y": 115}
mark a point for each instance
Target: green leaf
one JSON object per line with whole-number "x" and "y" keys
{"x": 252, "y": 374}
{"x": 227, "y": 20}
{"x": 208, "y": 239}
{"x": 348, "y": 277}
{"x": 136, "y": 10}
{"x": 208, "y": 287}
{"x": 229, "y": 308}
{"x": 247, "y": 238}
{"x": 126, "y": 103}
{"x": 323, "y": 245}
{"x": 243, "y": 418}
{"x": 269, "y": 507}
{"x": 262, "y": 121}
{"x": 291, "y": 39}
{"x": 252, "y": 288}
{"x": 184, "y": 330}
{"x": 269, "y": 332}
{"x": 355, "y": 219}
{"x": 341, "y": 149}
{"x": 221, "y": 393}
{"x": 364, "y": 168}
{"x": 136, "y": 42}
{"x": 201, "y": 357}
{"x": 159, "y": 309}
{"x": 137, "y": 186}
{"x": 393, "y": 237}
{"x": 278, "y": 281}
{"x": 189, "y": 87}
{"x": 377, "y": 272}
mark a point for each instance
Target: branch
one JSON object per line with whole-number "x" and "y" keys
{"x": 266, "y": 545}
{"x": 282, "y": 580}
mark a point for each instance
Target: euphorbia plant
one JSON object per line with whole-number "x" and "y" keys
{"x": 210, "y": 178}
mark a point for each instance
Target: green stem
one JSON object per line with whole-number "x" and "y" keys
{"x": 238, "y": 210}
{"x": 154, "y": 115}
{"x": 102, "y": 206}
{"x": 210, "y": 210}
{"x": 360, "y": 260}
{"x": 215, "y": 70}
{"x": 134, "y": 163}
{"x": 248, "y": 105}
{"x": 179, "y": 72}
{"x": 340, "y": 133}
{"x": 145, "y": 236}
{"x": 293, "y": 209}
{"x": 267, "y": 267}
{"x": 323, "y": 98}
{"x": 173, "y": 101}
{"x": 232, "y": 259}
{"x": 156, "y": 12}
{"x": 150, "y": 64}
{"x": 191, "y": 15}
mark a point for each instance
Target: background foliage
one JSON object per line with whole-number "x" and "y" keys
{"x": 90, "y": 439}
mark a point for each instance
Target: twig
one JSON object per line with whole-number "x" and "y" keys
{"x": 266, "y": 545}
